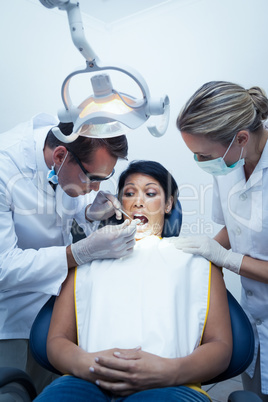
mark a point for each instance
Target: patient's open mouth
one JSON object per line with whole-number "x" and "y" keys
{"x": 143, "y": 219}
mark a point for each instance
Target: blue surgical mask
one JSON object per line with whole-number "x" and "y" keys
{"x": 218, "y": 167}
{"x": 52, "y": 176}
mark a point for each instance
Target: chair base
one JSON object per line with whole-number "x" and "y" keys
{"x": 17, "y": 384}
{"x": 243, "y": 396}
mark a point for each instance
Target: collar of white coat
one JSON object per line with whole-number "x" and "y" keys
{"x": 236, "y": 179}
{"x": 256, "y": 176}
{"x": 42, "y": 123}
{"x": 263, "y": 162}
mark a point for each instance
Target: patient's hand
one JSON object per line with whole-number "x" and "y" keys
{"x": 131, "y": 370}
{"x": 86, "y": 361}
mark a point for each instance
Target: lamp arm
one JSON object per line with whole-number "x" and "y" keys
{"x": 77, "y": 31}
{"x": 145, "y": 108}
{"x": 75, "y": 23}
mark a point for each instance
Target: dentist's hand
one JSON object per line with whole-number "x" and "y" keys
{"x": 104, "y": 206}
{"x": 112, "y": 241}
{"x": 211, "y": 250}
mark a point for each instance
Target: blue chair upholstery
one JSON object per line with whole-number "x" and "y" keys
{"x": 243, "y": 342}
{"x": 38, "y": 335}
{"x": 173, "y": 222}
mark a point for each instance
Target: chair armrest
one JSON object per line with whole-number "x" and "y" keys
{"x": 243, "y": 342}
{"x": 38, "y": 335}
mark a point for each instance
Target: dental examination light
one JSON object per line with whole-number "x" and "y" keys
{"x": 106, "y": 113}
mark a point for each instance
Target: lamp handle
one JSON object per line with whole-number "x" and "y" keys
{"x": 93, "y": 63}
{"x": 159, "y": 130}
{"x": 62, "y": 137}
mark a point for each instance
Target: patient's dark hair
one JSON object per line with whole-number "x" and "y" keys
{"x": 84, "y": 147}
{"x": 155, "y": 170}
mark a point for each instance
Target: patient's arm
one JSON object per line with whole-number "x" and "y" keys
{"x": 62, "y": 350}
{"x": 135, "y": 370}
{"x": 214, "y": 354}
{"x": 138, "y": 370}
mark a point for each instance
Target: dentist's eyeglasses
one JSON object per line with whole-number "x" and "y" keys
{"x": 86, "y": 176}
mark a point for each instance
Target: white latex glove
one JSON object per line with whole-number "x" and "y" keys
{"x": 103, "y": 207}
{"x": 111, "y": 241}
{"x": 210, "y": 249}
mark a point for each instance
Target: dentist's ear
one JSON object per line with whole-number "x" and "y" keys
{"x": 59, "y": 154}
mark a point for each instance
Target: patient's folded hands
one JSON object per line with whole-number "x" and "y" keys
{"x": 131, "y": 370}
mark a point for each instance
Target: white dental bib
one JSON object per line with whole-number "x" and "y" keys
{"x": 157, "y": 298}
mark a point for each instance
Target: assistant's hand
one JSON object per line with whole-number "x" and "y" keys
{"x": 133, "y": 370}
{"x": 111, "y": 241}
{"x": 104, "y": 206}
{"x": 210, "y": 249}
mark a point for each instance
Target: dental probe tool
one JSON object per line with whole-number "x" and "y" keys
{"x": 119, "y": 209}
{"x": 123, "y": 212}
{"x": 138, "y": 221}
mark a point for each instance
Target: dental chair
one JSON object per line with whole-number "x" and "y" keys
{"x": 243, "y": 346}
{"x": 243, "y": 338}
{"x": 17, "y": 383}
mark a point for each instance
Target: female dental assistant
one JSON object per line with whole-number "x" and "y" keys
{"x": 223, "y": 125}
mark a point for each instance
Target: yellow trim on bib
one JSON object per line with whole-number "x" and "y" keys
{"x": 75, "y": 306}
{"x": 208, "y": 302}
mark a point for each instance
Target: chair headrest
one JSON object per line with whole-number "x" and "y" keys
{"x": 172, "y": 225}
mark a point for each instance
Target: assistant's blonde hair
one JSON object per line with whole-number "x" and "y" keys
{"x": 220, "y": 109}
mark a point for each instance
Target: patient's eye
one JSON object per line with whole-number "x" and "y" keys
{"x": 128, "y": 193}
{"x": 151, "y": 193}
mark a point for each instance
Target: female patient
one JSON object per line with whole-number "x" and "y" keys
{"x": 148, "y": 327}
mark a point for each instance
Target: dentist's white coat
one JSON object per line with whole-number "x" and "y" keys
{"x": 35, "y": 224}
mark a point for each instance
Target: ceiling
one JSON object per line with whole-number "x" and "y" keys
{"x": 111, "y": 11}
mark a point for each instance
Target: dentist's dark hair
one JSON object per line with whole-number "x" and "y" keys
{"x": 84, "y": 147}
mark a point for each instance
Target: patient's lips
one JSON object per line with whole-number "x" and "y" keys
{"x": 142, "y": 218}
